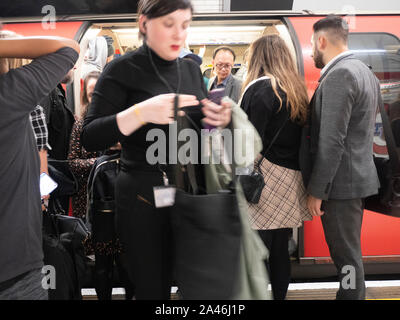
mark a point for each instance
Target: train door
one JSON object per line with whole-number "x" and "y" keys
{"x": 204, "y": 36}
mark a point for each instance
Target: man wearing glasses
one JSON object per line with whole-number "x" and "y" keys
{"x": 223, "y": 61}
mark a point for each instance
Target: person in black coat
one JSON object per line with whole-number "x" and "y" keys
{"x": 135, "y": 95}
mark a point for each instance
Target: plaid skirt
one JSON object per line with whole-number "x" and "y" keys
{"x": 283, "y": 202}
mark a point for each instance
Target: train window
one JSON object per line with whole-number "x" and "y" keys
{"x": 381, "y": 52}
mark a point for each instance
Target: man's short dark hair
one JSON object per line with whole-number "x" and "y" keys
{"x": 337, "y": 28}
{"x": 224, "y": 48}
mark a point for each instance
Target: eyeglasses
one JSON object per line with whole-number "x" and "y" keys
{"x": 221, "y": 66}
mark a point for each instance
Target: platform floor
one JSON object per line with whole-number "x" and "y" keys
{"x": 376, "y": 290}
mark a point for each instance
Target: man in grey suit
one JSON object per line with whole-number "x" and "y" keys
{"x": 336, "y": 155}
{"x": 223, "y": 62}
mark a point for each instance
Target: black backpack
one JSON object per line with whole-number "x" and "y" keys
{"x": 100, "y": 185}
{"x": 100, "y": 219}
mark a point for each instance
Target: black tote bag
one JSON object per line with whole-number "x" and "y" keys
{"x": 207, "y": 233}
{"x": 387, "y": 201}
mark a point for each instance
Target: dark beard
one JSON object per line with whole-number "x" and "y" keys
{"x": 318, "y": 60}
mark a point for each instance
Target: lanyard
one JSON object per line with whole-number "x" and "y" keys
{"x": 165, "y": 82}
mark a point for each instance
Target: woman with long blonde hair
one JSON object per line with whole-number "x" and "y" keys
{"x": 276, "y": 102}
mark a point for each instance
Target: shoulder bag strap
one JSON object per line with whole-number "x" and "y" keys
{"x": 390, "y": 141}
{"x": 272, "y": 142}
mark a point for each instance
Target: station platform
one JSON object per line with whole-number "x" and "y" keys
{"x": 376, "y": 290}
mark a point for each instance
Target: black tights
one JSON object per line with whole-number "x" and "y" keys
{"x": 278, "y": 264}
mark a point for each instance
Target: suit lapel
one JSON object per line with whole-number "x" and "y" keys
{"x": 313, "y": 109}
{"x": 333, "y": 65}
{"x": 210, "y": 83}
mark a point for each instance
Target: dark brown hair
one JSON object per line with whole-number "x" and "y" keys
{"x": 84, "y": 99}
{"x": 159, "y": 8}
{"x": 337, "y": 28}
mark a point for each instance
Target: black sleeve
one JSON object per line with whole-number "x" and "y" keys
{"x": 192, "y": 69}
{"x": 100, "y": 129}
{"x": 259, "y": 105}
{"x": 203, "y": 84}
{"x": 28, "y": 85}
{"x": 46, "y": 105}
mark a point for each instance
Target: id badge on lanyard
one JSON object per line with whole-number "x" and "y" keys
{"x": 164, "y": 196}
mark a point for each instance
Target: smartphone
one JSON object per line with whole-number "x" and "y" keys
{"x": 215, "y": 96}
{"x": 47, "y": 184}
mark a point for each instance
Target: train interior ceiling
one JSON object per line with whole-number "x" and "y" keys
{"x": 238, "y": 35}
{"x": 203, "y": 38}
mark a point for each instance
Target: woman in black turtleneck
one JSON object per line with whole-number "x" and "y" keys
{"x": 135, "y": 94}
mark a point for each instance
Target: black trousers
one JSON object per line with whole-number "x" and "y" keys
{"x": 278, "y": 264}
{"x": 145, "y": 234}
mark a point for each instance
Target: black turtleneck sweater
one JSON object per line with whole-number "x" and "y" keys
{"x": 126, "y": 81}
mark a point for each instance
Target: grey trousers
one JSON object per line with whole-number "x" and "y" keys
{"x": 342, "y": 222}
{"x": 28, "y": 287}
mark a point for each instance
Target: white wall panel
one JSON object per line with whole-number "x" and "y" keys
{"x": 207, "y": 5}
{"x": 345, "y": 5}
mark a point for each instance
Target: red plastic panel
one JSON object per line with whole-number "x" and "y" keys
{"x": 62, "y": 29}
{"x": 379, "y": 236}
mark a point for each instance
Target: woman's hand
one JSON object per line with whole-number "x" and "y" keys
{"x": 160, "y": 109}
{"x": 217, "y": 115}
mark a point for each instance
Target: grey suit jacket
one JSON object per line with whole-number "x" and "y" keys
{"x": 233, "y": 88}
{"x": 336, "y": 152}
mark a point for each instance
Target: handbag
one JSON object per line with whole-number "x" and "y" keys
{"x": 253, "y": 183}
{"x": 207, "y": 237}
{"x": 387, "y": 201}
